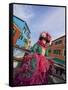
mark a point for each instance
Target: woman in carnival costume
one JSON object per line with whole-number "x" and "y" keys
{"x": 35, "y": 66}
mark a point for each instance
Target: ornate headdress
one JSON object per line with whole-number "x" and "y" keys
{"x": 46, "y": 36}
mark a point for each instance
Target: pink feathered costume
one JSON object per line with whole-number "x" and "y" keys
{"x": 35, "y": 67}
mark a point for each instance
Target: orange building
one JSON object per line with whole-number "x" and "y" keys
{"x": 57, "y": 49}
{"x": 16, "y": 34}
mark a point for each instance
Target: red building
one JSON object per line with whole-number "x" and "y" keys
{"x": 57, "y": 50}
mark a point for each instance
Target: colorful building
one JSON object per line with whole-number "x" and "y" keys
{"x": 21, "y": 38}
{"x": 16, "y": 34}
{"x": 21, "y": 33}
{"x": 57, "y": 50}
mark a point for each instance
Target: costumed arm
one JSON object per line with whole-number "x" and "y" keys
{"x": 47, "y": 52}
{"x": 34, "y": 48}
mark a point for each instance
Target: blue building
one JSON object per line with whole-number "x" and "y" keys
{"x": 24, "y": 38}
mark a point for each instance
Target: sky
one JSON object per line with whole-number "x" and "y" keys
{"x": 42, "y": 18}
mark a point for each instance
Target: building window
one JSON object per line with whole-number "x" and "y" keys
{"x": 49, "y": 50}
{"x": 25, "y": 40}
{"x": 57, "y": 52}
{"x": 24, "y": 30}
{"x": 21, "y": 36}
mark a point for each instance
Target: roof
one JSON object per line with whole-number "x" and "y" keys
{"x": 59, "y": 38}
{"x": 20, "y": 23}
